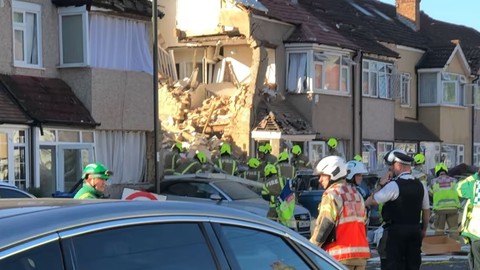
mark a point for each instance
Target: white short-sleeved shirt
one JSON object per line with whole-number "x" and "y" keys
{"x": 390, "y": 192}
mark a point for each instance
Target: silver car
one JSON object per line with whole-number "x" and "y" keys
{"x": 228, "y": 191}
{"x": 58, "y": 234}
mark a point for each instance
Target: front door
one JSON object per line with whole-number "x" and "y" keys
{"x": 72, "y": 160}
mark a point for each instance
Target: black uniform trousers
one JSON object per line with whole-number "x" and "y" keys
{"x": 401, "y": 247}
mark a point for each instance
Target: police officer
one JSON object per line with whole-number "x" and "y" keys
{"x": 340, "y": 226}
{"x": 298, "y": 160}
{"x": 446, "y": 203}
{"x": 95, "y": 176}
{"x": 253, "y": 173}
{"x": 284, "y": 168}
{"x": 194, "y": 165}
{"x": 405, "y": 199}
{"x": 273, "y": 186}
{"x": 225, "y": 161}
{"x": 172, "y": 158}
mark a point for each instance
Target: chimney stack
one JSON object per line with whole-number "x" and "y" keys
{"x": 408, "y": 11}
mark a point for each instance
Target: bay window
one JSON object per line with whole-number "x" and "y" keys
{"x": 440, "y": 88}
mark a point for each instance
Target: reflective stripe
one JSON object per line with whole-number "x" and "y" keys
{"x": 342, "y": 250}
{"x": 86, "y": 195}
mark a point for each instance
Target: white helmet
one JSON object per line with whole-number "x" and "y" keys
{"x": 334, "y": 166}
{"x": 355, "y": 167}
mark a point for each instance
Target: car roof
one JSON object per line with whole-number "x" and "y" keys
{"x": 52, "y": 214}
{"x": 5, "y": 184}
{"x": 209, "y": 177}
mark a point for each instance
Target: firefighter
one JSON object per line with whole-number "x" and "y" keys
{"x": 418, "y": 171}
{"x": 194, "y": 165}
{"x": 172, "y": 158}
{"x": 253, "y": 173}
{"x": 340, "y": 226}
{"x": 446, "y": 203}
{"x": 469, "y": 188}
{"x": 405, "y": 199}
{"x": 95, "y": 176}
{"x": 298, "y": 160}
{"x": 356, "y": 170}
{"x": 265, "y": 156}
{"x": 284, "y": 168}
{"x": 273, "y": 186}
{"x": 225, "y": 161}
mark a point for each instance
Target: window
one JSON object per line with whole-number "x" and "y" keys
{"x": 368, "y": 155}
{"x": 405, "y": 89}
{"x": 332, "y": 72}
{"x": 27, "y": 36}
{"x": 440, "y": 88}
{"x": 297, "y": 72}
{"x": 13, "y": 157}
{"x": 44, "y": 257}
{"x": 376, "y": 79}
{"x": 452, "y": 154}
{"x": 12, "y": 193}
{"x": 252, "y": 249}
{"x": 73, "y": 36}
{"x": 316, "y": 151}
{"x": 382, "y": 149}
{"x": 154, "y": 246}
{"x": 409, "y": 148}
{"x": 476, "y": 155}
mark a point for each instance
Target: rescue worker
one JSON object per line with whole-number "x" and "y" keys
{"x": 253, "y": 173}
{"x": 298, "y": 160}
{"x": 446, "y": 203}
{"x": 95, "y": 176}
{"x": 172, "y": 158}
{"x": 340, "y": 226}
{"x": 225, "y": 161}
{"x": 265, "y": 156}
{"x": 469, "y": 188}
{"x": 332, "y": 146}
{"x": 405, "y": 199}
{"x": 356, "y": 170}
{"x": 418, "y": 171}
{"x": 194, "y": 165}
{"x": 284, "y": 168}
{"x": 273, "y": 186}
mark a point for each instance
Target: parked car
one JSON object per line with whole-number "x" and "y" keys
{"x": 121, "y": 235}
{"x": 11, "y": 191}
{"x": 229, "y": 191}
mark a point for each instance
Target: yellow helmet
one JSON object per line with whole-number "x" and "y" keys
{"x": 269, "y": 170}
{"x": 332, "y": 142}
{"x": 201, "y": 157}
{"x": 283, "y": 156}
{"x": 419, "y": 159}
{"x": 253, "y": 163}
{"x": 358, "y": 158}
{"x": 296, "y": 150}
{"x": 441, "y": 167}
{"x": 225, "y": 149}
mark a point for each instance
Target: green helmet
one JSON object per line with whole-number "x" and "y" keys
{"x": 283, "y": 156}
{"x": 201, "y": 157}
{"x": 265, "y": 148}
{"x": 358, "y": 158}
{"x": 225, "y": 149}
{"x": 179, "y": 146}
{"x": 97, "y": 170}
{"x": 441, "y": 167}
{"x": 419, "y": 159}
{"x": 269, "y": 170}
{"x": 332, "y": 142}
{"x": 253, "y": 163}
{"x": 296, "y": 150}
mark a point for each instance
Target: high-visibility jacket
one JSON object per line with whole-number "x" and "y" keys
{"x": 468, "y": 188}
{"x": 445, "y": 196}
{"x": 350, "y": 241}
{"x": 253, "y": 174}
{"x": 272, "y": 188}
{"x": 87, "y": 192}
{"x": 171, "y": 163}
{"x": 300, "y": 162}
{"x": 286, "y": 170}
{"x": 187, "y": 167}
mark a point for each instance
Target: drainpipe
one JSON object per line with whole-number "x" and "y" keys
{"x": 155, "y": 96}
{"x": 473, "y": 122}
{"x": 357, "y": 104}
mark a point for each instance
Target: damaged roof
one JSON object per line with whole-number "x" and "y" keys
{"x": 46, "y": 100}
{"x": 133, "y": 7}
{"x": 281, "y": 116}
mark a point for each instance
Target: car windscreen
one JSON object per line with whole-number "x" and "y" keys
{"x": 236, "y": 191}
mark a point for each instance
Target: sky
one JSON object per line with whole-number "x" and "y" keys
{"x": 463, "y": 12}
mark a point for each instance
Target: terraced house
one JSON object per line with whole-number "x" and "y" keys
{"x": 75, "y": 87}
{"x": 372, "y": 75}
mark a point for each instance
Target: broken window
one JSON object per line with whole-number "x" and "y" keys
{"x": 297, "y": 72}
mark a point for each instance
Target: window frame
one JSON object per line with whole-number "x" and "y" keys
{"x": 311, "y": 153}
{"x": 74, "y": 11}
{"x": 405, "y": 89}
{"x": 26, "y": 7}
{"x": 442, "y": 80}
{"x": 372, "y": 72}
